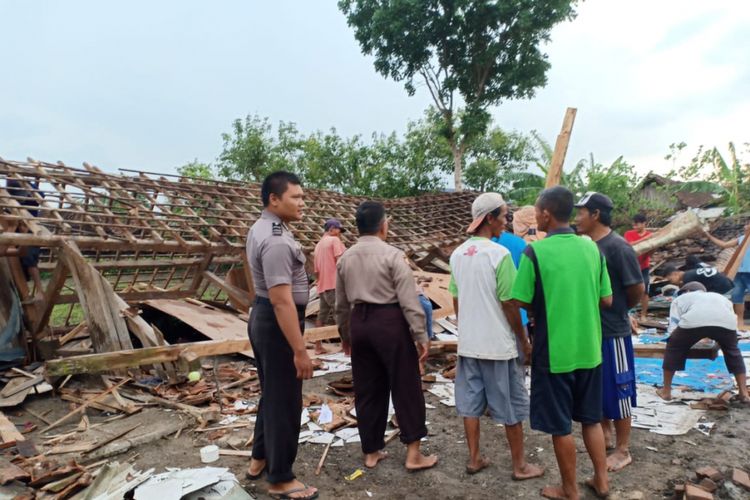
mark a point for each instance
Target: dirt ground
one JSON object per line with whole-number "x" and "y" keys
{"x": 652, "y": 474}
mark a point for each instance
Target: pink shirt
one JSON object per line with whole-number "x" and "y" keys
{"x": 327, "y": 252}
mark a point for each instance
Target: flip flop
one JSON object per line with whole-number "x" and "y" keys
{"x": 285, "y": 495}
{"x": 475, "y": 470}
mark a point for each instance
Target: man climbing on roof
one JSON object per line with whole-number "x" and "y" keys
{"x": 489, "y": 374}
{"x": 594, "y": 219}
{"x": 327, "y": 253}
{"x": 694, "y": 315}
{"x": 741, "y": 279}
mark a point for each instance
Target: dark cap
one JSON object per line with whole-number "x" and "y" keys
{"x": 333, "y": 224}
{"x": 595, "y": 201}
{"x": 693, "y": 286}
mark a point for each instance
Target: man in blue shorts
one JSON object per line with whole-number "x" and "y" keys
{"x": 566, "y": 375}
{"x": 594, "y": 219}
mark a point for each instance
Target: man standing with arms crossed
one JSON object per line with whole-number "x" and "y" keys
{"x": 381, "y": 324}
{"x": 594, "y": 219}
{"x": 489, "y": 373}
{"x": 633, "y": 236}
{"x": 275, "y": 328}
{"x": 562, "y": 281}
{"x": 327, "y": 253}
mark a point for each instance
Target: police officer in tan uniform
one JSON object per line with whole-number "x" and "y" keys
{"x": 382, "y": 326}
{"x": 275, "y": 328}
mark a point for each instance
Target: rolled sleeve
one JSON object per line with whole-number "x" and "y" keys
{"x": 277, "y": 259}
{"x": 403, "y": 280}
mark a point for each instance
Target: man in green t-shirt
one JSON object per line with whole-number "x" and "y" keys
{"x": 562, "y": 280}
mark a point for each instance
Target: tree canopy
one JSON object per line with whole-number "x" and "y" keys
{"x": 479, "y": 52}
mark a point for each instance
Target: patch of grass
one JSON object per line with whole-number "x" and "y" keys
{"x": 60, "y": 312}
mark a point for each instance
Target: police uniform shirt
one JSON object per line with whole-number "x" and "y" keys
{"x": 276, "y": 258}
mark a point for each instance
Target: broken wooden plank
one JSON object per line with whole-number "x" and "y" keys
{"x": 554, "y": 174}
{"x": 8, "y": 431}
{"x": 107, "y": 361}
{"x": 701, "y": 350}
{"x": 237, "y": 295}
{"x": 18, "y": 396}
{"x": 9, "y": 390}
{"x": 84, "y": 406}
{"x": 11, "y": 472}
{"x": 215, "y": 324}
{"x": 321, "y": 333}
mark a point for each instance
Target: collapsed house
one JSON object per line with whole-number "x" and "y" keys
{"x": 113, "y": 247}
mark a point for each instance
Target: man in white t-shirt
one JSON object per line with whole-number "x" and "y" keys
{"x": 489, "y": 374}
{"x": 694, "y": 315}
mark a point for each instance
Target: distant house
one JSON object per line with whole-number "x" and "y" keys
{"x": 672, "y": 193}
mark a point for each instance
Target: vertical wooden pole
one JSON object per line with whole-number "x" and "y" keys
{"x": 554, "y": 174}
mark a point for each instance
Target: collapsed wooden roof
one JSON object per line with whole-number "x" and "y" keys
{"x": 145, "y": 236}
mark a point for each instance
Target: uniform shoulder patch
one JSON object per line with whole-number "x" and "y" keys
{"x": 276, "y": 229}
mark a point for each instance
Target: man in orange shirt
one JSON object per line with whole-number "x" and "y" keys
{"x": 327, "y": 253}
{"x": 638, "y": 233}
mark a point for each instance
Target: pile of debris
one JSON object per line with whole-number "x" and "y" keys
{"x": 734, "y": 484}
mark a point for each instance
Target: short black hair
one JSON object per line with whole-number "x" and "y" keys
{"x": 370, "y": 215}
{"x": 277, "y": 183}
{"x": 605, "y": 217}
{"x": 669, "y": 270}
{"x": 638, "y": 218}
{"x": 558, "y": 201}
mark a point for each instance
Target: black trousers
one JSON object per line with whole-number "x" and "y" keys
{"x": 682, "y": 339}
{"x": 277, "y": 424}
{"x": 385, "y": 362}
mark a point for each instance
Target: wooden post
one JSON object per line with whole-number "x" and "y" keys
{"x": 554, "y": 174}
{"x": 734, "y": 262}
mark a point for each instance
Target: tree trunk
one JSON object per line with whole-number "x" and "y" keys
{"x": 457, "y": 167}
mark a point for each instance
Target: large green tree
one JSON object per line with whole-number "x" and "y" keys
{"x": 471, "y": 52}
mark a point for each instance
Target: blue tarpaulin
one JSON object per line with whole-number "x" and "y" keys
{"x": 699, "y": 374}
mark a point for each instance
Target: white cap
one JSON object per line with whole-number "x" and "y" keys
{"x": 484, "y": 204}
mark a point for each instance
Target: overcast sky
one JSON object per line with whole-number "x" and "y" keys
{"x": 152, "y": 85}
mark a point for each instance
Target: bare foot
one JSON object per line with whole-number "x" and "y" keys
{"x": 319, "y": 349}
{"x": 421, "y": 462}
{"x": 478, "y": 466}
{"x": 665, "y": 394}
{"x": 256, "y": 468}
{"x": 527, "y": 471}
{"x": 292, "y": 489}
{"x": 372, "y": 459}
{"x": 558, "y": 493}
{"x": 600, "y": 490}
{"x": 618, "y": 460}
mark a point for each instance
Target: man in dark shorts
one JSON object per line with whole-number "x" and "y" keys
{"x": 710, "y": 277}
{"x": 594, "y": 219}
{"x": 633, "y": 236}
{"x": 696, "y": 314}
{"x": 566, "y": 375}
{"x": 277, "y": 321}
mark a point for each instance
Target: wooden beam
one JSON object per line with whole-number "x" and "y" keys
{"x": 130, "y": 358}
{"x": 8, "y": 431}
{"x": 321, "y": 333}
{"x": 237, "y": 295}
{"x": 50, "y": 295}
{"x": 135, "y": 296}
{"x": 554, "y": 174}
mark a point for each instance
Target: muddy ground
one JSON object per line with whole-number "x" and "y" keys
{"x": 652, "y": 474}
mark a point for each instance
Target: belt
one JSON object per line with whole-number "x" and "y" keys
{"x": 369, "y": 305}
{"x": 267, "y": 302}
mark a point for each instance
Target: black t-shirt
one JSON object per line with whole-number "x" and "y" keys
{"x": 712, "y": 279}
{"x": 624, "y": 271}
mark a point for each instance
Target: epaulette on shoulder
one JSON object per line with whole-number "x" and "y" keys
{"x": 276, "y": 229}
